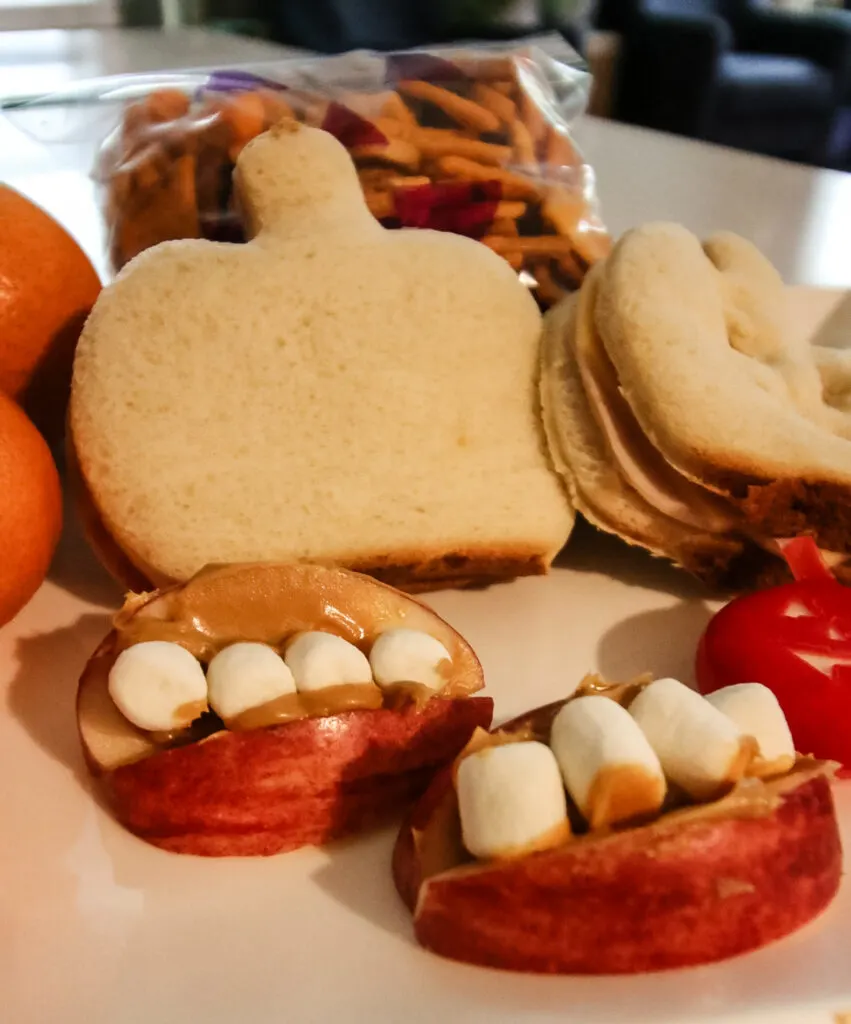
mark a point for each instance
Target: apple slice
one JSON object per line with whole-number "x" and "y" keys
{"x": 272, "y": 789}
{"x": 697, "y": 885}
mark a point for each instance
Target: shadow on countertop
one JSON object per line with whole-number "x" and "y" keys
{"x": 42, "y": 694}
{"x": 590, "y": 550}
{"x": 663, "y": 641}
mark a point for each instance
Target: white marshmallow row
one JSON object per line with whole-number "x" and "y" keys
{"x": 616, "y": 762}
{"x": 160, "y": 687}
{"x": 757, "y": 712}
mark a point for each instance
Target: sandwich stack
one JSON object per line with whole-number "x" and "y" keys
{"x": 685, "y": 417}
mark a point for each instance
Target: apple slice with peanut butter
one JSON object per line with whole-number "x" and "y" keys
{"x": 258, "y": 708}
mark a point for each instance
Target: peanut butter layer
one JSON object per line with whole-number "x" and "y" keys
{"x": 332, "y": 700}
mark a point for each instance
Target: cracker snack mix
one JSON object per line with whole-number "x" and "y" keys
{"x": 475, "y": 142}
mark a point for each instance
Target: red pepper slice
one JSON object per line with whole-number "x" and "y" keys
{"x": 804, "y": 559}
{"x": 796, "y": 640}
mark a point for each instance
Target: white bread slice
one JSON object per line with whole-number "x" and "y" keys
{"x": 756, "y": 309}
{"x": 711, "y": 410}
{"x": 329, "y": 391}
{"x": 723, "y": 418}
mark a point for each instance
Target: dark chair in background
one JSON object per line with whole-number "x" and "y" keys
{"x": 333, "y": 26}
{"x": 732, "y": 72}
{"x": 336, "y": 26}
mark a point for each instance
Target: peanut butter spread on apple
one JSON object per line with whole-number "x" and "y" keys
{"x": 271, "y": 605}
{"x": 443, "y": 839}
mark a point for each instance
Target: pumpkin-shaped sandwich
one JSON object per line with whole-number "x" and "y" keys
{"x": 628, "y": 828}
{"x": 330, "y": 391}
{"x": 259, "y": 708}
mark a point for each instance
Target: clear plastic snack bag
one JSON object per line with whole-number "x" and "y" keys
{"x": 474, "y": 140}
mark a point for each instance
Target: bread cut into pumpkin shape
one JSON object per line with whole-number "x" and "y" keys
{"x": 329, "y": 391}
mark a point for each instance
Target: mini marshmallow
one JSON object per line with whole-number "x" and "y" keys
{"x": 699, "y": 747}
{"x": 317, "y": 660}
{"x": 757, "y": 712}
{"x": 245, "y": 676}
{"x": 409, "y": 656}
{"x": 158, "y": 686}
{"x": 608, "y": 765}
{"x": 511, "y": 800}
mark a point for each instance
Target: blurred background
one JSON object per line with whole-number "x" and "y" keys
{"x": 769, "y": 76}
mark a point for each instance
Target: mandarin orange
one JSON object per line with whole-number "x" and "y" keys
{"x": 30, "y": 509}
{"x": 47, "y": 287}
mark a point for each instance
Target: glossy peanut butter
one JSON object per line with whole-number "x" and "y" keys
{"x": 268, "y": 604}
{"x": 262, "y": 603}
{"x": 332, "y": 700}
{"x": 623, "y": 793}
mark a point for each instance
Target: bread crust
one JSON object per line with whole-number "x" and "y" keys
{"x": 103, "y": 544}
{"x": 415, "y": 572}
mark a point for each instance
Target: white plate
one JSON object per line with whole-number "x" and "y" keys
{"x": 98, "y": 928}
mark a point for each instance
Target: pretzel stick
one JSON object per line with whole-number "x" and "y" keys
{"x": 184, "y": 175}
{"x": 509, "y": 210}
{"x": 393, "y": 128}
{"x": 532, "y": 118}
{"x": 376, "y": 178}
{"x": 568, "y": 215}
{"x": 571, "y": 269}
{"x": 380, "y": 204}
{"x": 466, "y": 112}
{"x": 395, "y": 106}
{"x": 246, "y": 115}
{"x": 436, "y": 142}
{"x": 563, "y": 209}
{"x": 530, "y": 245}
{"x": 513, "y": 185}
{"x": 147, "y": 167}
{"x": 136, "y": 116}
{"x": 120, "y": 188}
{"x": 167, "y": 105}
{"x": 560, "y": 151}
{"x": 396, "y": 151}
{"x": 524, "y": 147}
{"x": 495, "y": 102}
{"x": 505, "y": 226}
{"x": 513, "y": 259}
{"x": 547, "y": 290}
{"x": 409, "y": 181}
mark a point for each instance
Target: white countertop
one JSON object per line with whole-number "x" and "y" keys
{"x": 800, "y": 217}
